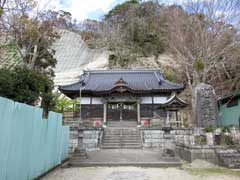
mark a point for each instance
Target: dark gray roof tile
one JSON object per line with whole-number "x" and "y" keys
{"x": 137, "y": 80}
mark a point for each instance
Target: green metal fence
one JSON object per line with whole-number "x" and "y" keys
{"x": 29, "y": 144}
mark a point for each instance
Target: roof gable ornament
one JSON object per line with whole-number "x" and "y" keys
{"x": 120, "y": 86}
{"x": 159, "y": 80}
{"x": 120, "y": 82}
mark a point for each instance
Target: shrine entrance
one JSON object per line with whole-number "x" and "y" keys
{"x": 122, "y": 111}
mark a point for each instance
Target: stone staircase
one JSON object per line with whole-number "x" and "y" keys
{"x": 121, "y": 138}
{"x": 229, "y": 157}
{"x": 122, "y": 124}
{"x": 80, "y": 154}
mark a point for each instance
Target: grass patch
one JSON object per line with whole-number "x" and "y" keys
{"x": 210, "y": 171}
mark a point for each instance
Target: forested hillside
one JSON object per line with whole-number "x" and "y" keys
{"x": 200, "y": 40}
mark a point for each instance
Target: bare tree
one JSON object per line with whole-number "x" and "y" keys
{"x": 2, "y": 4}
{"x": 204, "y": 37}
{"x": 25, "y": 29}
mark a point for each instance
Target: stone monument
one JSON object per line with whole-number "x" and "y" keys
{"x": 206, "y": 110}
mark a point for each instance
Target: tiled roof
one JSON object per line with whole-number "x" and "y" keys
{"x": 137, "y": 80}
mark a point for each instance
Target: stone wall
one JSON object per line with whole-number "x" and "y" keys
{"x": 73, "y": 139}
{"x": 88, "y": 138}
{"x": 152, "y": 138}
{"x": 159, "y": 138}
{"x": 91, "y": 139}
{"x": 191, "y": 153}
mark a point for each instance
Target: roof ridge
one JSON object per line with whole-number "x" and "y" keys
{"x": 123, "y": 70}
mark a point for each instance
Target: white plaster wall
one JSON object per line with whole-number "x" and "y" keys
{"x": 146, "y": 100}
{"x": 156, "y": 100}
{"x": 97, "y": 101}
{"x": 85, "y": 100}
{"x": 160, "y": 99}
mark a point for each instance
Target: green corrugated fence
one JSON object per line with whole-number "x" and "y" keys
{"x": 29, "y": 144}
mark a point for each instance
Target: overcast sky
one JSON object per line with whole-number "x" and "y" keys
{"x": 82, "y": 9}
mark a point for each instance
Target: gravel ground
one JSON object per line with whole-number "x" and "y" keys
{"x": 137, "y": 173}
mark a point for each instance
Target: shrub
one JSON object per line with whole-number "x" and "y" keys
{"x": 209, "y": 129}
{"x": 227, "y": 140}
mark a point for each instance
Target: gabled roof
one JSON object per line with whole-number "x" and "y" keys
{"x": 104, "y": 81}
{"x": 174, "y": 102}
{"x": 233, "y": 95}
{"x": 228, "y": 99}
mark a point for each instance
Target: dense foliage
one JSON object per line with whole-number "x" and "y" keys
{"x": 26, "y": 86}
{"x": 27, "y": 57}
{"x": 65, "y": 104}
{"x": 135, "y": 29}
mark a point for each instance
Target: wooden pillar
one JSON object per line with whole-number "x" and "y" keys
{"x": 178, "y": 123}
{"x": 152, "y": 106}
{"x": 168, "y": 119}
{"x": 104, "y": 114}
{"x": 138, "y": 114}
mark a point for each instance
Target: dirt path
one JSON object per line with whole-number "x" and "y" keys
{"x": 136, "y": 173}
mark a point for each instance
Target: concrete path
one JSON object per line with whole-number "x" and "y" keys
{"x": 127, "y": 157}
{"x": 136, "y": 173}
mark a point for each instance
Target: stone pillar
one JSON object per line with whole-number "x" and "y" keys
{"x": 104, "y": 114}
{"x": 138, "y": 114}
{"x": 210, "y": 139}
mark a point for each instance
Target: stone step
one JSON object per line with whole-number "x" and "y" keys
{"x": 123, "y": 136}
{"x": 125, "y": 141}
{"x": 80, "y": 157}
{"x": 129, "y": 134}
{"x": 117, "y": 131}
{"x": 121, "y": 147}
{"x": 79, "y": 154}
{"x": 234, "y": 155}
{"x": 77, "y": 163}
{"x": 229, "y": 157}
{"x": 227, "y": 151}
{"x": 120, "y": 143}
{"x": 122, "y": 124}
{"x": 120, "y": 140}
{"x": 235, "y": 165}
{"x": 232, "y": 161}
{"x": 121, "y": 130}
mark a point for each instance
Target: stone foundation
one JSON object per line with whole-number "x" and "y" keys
{"x": 91, "y": 139}
{"x": 191, "y": 153}
{"x": 152, "y": 138}
{"x": 73, "y": 140}
{"x": 160, "y": 138}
